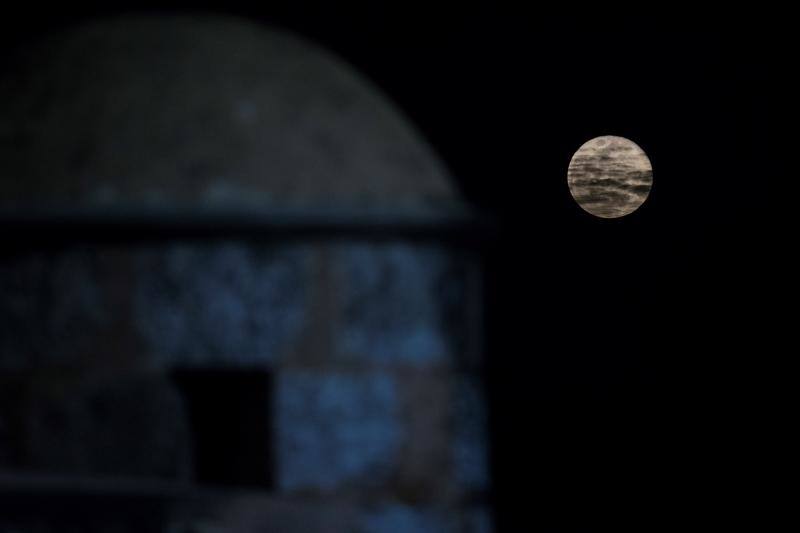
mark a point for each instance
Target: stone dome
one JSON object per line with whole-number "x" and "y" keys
{"x": 203, "y": 113}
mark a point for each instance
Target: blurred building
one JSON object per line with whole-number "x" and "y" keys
{"x": 239, "y": 293}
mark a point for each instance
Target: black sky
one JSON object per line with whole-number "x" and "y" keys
{"x": 618, "y": 350}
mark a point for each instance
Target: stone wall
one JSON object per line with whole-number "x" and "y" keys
{"x": 321, "y": 385}
{"x": 371, "y": 352}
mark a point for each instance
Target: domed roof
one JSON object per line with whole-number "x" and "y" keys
{"x": 203, "y": 113}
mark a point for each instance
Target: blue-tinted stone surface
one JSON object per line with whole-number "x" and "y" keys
{"x": 222, "y": 304}
{"x": 399, "y": 302}
{"x": 478, "y": 520}
{"x": 365, "y": 341}
{"x": 470, "y": 453}
{"x": 335, "y": 429}
{"x": 397, "y": 518}
{"x": 51, "y": 308}
{"x": 129, "y": 427}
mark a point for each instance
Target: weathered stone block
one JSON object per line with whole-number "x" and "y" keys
{"x": 204, "y": 112}
{"x": 334, "y": 430}
{"x": 401, "y": 303}
{"x": 179, "y": 304}
{"x": 425, "y": 473}
{"x": 259, "y": 513}
{"x": 470, "y": 440}
{"x": 221, "y": 304}
{"x": 398, "y": 518}
{"x": 52, "y": 308}
{"x": 478, "y": 520}
{"x": 132, "y": 427}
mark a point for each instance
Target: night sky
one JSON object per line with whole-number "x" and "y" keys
{"x": 619, "y": 351}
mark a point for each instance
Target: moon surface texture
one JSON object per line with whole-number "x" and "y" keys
{"x": 610, "y": 176}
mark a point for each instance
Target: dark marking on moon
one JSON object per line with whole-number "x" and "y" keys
{"x": 610, "y": 176}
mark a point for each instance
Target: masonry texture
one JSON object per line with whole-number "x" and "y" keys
{"x": 229, "y": 382}
{"x": 93, "y": 334}
{"x": 210, "y": 112}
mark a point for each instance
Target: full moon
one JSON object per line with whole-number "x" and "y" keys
{"x": 610, "y": 176}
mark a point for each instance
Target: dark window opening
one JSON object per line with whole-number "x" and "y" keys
{"x": 229, "y": 415}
